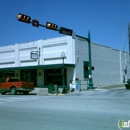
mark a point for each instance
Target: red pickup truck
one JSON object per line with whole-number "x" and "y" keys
{"x": 13, "y": 85}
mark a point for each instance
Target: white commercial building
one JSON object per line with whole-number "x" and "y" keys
{"x": 52, "y": 55}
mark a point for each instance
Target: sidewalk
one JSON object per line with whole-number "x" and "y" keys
{"x": 112, "y": 86}
{"x": 44, "y": 91}
{"x": 40, "y": 91}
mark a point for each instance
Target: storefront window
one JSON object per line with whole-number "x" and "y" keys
{"x": 5, "y": 74}
{"x": 54, "y": 76}
{"x": 29, "y": 76}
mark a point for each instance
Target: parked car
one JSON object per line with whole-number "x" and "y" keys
{"x": 127, "y": 84}
{"x": 13, "y": 85}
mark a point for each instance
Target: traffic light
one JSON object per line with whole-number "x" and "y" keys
{"x": 35, "y": 23}
{"x": 23, "y": 18}
{"x": 51, "y": 26}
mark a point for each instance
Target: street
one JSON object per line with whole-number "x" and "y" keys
{"x": 88, "y": 110}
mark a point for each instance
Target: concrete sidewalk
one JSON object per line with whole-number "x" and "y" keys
{"x": 40, "y": 91}
{"x": 44, "y": 91}
{"x": 112, "y": 86}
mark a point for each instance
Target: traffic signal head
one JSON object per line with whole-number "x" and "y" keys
{"x": 51, "y": 26}
{"x": 23, "y": 18}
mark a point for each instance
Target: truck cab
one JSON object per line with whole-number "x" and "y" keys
{"x": 13, "y": 85}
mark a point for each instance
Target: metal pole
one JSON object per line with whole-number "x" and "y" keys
{"x": 90, "y": 63}
{"x": 129, "y": 46}
{"x": 39, "y": 56}
{"x": 63, "y": 77}
{"x": 129, "y": 39}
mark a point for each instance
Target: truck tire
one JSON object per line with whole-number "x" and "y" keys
{"x": 26, "y": 92}
{"x": 3, "y": 93}
{"x": 13, "y": 91}
{"x": 127, "y": 87}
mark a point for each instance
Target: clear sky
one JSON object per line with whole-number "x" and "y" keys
{"x": 107, "y": 20}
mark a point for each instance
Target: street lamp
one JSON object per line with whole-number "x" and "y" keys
{"x": 63, "y": 76}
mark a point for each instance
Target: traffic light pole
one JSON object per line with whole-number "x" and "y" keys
{"x": 90, "y": 63}
{"x": 90, "y": 85}
{"x": 66, "y": 31}
{"x": 63, "y": 78}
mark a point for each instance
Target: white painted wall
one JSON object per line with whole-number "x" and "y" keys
{"x": 53, "y": 48}
{"x": 50, "y": 52}
{"x": 109, "y": 63}
{"x": 7, "y": 56}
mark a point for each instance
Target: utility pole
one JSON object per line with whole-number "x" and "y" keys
{"x": 129, "y": 39}
{"x": 129, "y": 46}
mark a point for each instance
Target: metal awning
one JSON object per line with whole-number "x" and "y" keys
{"x": 37, "y": 67}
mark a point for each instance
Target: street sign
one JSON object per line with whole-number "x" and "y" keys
{"x": 34, "y": 55}
{"x": 35, "y": 23}
{"x": 66, "y": 31}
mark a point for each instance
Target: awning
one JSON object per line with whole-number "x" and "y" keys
{"x": 37, "y": 67}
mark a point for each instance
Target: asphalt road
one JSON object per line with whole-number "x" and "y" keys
{"x": 90, "y": 110}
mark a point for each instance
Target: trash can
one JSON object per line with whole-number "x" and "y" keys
{"x": 50, "y": 89}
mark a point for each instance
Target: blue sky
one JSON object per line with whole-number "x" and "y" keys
{"x": 107, "y": 20}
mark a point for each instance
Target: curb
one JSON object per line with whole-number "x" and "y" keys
{"x": 56, "y": 94}
{"x": 105, "y": 88}
{"x": 112, "y": 86}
